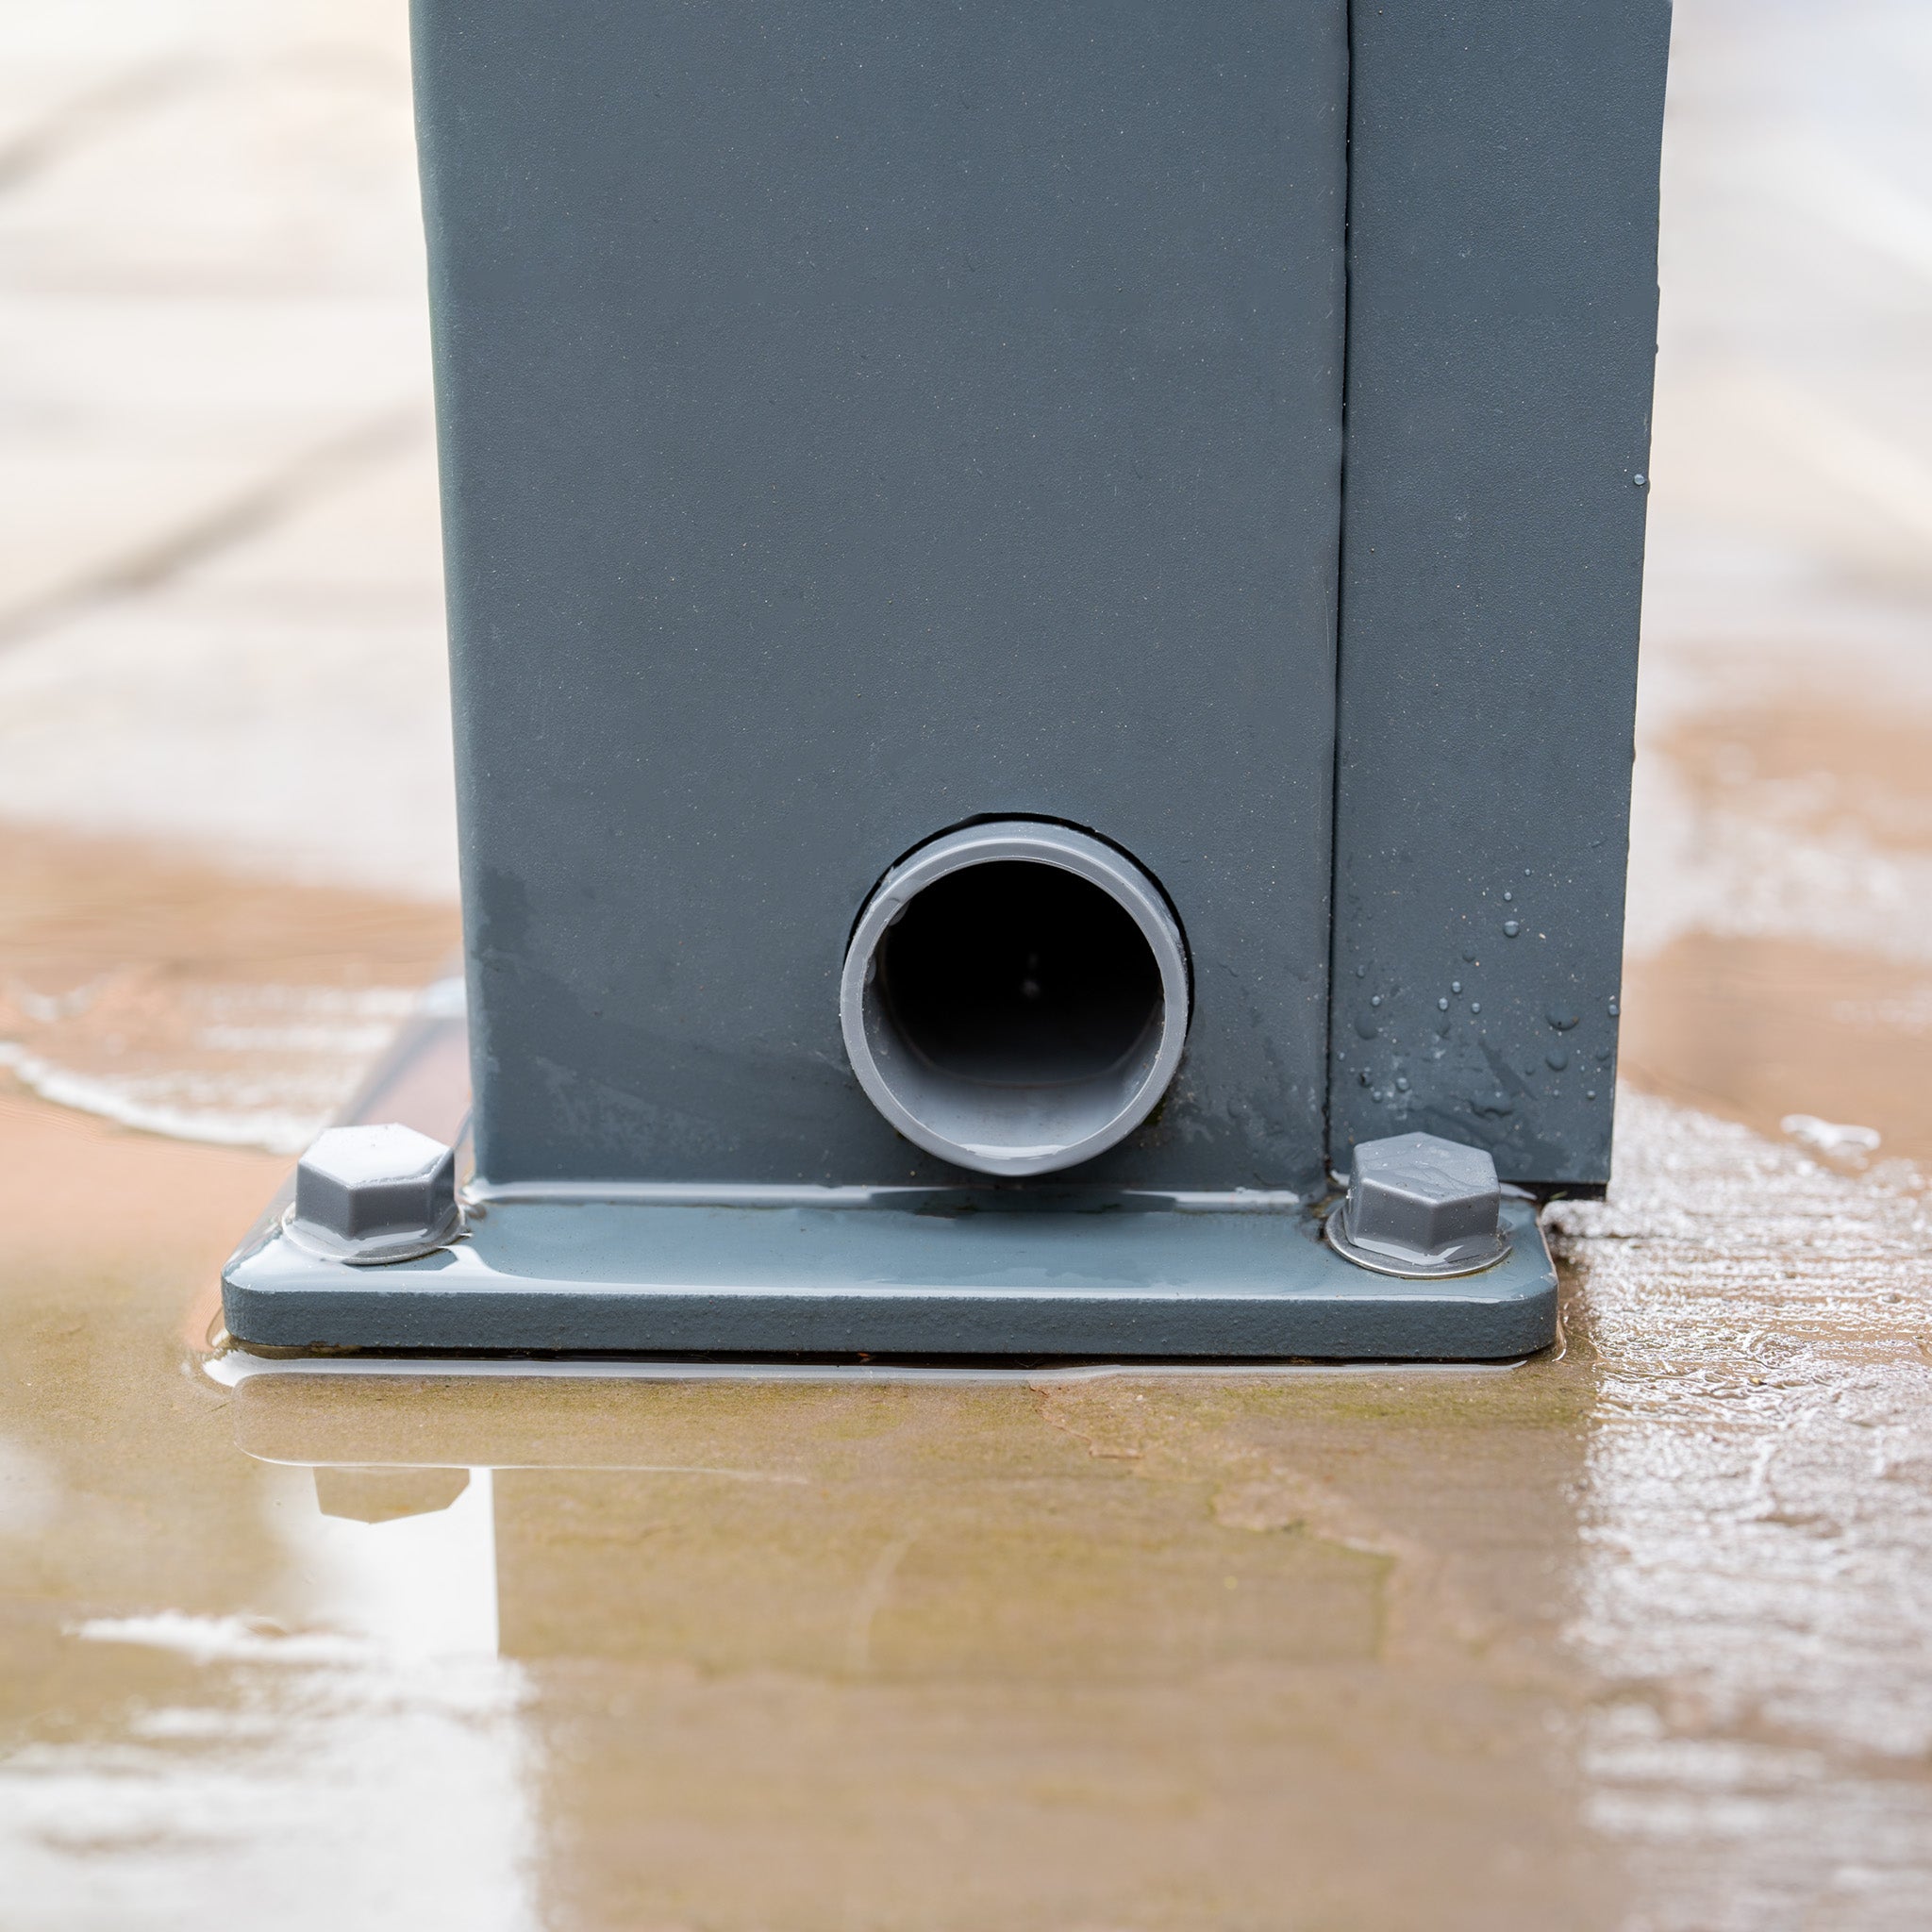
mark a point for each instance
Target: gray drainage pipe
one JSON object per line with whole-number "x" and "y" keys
{"x": 1015, "y": 997}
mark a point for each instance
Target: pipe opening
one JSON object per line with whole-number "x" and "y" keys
{"x": 1015, "y": 997}
{"x": 1019, "y": 975}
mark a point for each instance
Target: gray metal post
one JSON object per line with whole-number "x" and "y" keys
{"x": 898, "y": 519}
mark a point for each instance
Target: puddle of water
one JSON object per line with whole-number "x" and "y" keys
{"x": 320, "y": 1778}
{"x": 210, "y": 1689}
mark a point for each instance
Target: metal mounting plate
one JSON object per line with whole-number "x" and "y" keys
{"x": 928, "y": 1278}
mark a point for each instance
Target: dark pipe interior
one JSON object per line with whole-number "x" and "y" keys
{"x": 1019, "y": 974}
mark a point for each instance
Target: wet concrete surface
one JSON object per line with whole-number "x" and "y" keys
{"x": 1631, "y": 1636}
{"x": 141, "y": 984}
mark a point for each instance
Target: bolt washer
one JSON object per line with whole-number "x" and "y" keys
{"x": 1413, "y": 1271}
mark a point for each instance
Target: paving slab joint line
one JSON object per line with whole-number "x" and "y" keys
{"x": 90, "y": 109}
{"x": 257, "y": 507}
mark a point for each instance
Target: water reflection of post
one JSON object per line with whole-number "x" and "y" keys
{"x": 1043, "y": 1650}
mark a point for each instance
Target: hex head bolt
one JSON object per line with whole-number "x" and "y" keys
{"x": 1420, "y": 1205}
{"x": 371, "y": 1194}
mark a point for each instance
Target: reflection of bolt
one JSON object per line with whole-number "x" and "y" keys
{"x": 375, "y": 1193}
{"x": 1419, "y": 1205}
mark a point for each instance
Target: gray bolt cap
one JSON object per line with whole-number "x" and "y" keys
{"x": 1419, "y": 1205}
{"x": 375, "y": 1193}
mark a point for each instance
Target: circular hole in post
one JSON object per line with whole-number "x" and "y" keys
{"x": 1015, "y": 997}
{"x": 1021, "y": 975}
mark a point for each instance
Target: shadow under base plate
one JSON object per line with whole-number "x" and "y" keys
{"x": 929, "y": 1275}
